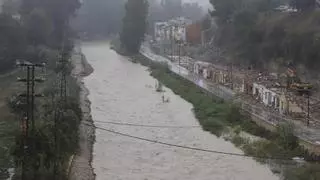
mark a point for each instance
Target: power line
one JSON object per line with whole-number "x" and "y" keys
{"x": 190, "y": 148}
{"x": 149, "y": 126}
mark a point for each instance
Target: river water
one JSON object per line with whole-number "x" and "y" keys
{"x": 123, "y": 92}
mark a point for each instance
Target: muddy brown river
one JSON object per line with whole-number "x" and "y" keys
{"x": 124, "y": 92}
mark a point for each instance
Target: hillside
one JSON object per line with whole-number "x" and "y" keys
{"x": 270, "y": 40}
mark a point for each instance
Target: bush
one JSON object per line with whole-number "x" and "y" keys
{"x": 213, "y": 125}
{"x": 286, "y": 136}
{"x": 305, "y": 172}
{"x": 238, "y": 141}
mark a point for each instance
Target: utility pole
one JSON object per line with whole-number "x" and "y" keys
{"x": 230, "y": 69}
{"x": 62, "y": 84}
{"x": 29, "y": 111}
{"x": 172, "y": 46}
{"x": 308, "y": 114}
{"x": 179, "y": 54}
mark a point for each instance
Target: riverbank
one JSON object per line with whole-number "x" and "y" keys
{"x": 81, "y": 168}
{"x": 221, "y": 118}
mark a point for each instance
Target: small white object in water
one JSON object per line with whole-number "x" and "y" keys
{"x": 298, "y": 159}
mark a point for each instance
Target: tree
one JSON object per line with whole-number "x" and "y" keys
{"x": 287, "y": 137}
{"x": 99, "y": 17}
{"x": 192, "y": 11}
{"x": 172, "y": 8}
{"x": 225, "y": 9}
{"x": 12, "y": 41}
{"x": 206, "y": 22}
{"x": 58, "y": 12}
{"x": 38, "y": 26}
{"x": 134, "y": 25}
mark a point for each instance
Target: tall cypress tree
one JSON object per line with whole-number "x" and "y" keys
{"x": 134, "y": 25}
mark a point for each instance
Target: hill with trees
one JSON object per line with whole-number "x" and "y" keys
{"x": 255, "y": 32}
{"x": 134, "y": 25}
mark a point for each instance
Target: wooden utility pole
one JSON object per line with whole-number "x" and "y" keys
{"x": 308, "y": 109}
{"x": 62, "y": 84}
{"x": 232, "y": 76}
{"x": 179, "y": 54}
{"x": 172, "y": 46}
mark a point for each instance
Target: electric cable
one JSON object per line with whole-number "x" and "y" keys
{"x": 192, "y": 148}
{"x": 148, "y": 126}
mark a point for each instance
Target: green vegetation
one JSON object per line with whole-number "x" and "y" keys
{"x": 255, "y": 33}
{"x": 34, "y": 30}
{"x": 134, "y": 25}
{"x": 43, "y": 152}
{"x": 37, "y": 31}
{"x": 222, "y": 118}
{"x": 303, "y": 173}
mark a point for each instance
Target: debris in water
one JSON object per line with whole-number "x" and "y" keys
{"x": 164, "y": 100}
{"x": 159, "y": 87}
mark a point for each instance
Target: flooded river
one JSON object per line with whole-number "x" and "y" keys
{"x": 123, "y": 92}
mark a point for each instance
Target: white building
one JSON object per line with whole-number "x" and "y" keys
{"x": 179, "y": 26}
{"x": 159, "y": 30}
{"x": 267, "y": 95}
{"x": 173, "y": 30}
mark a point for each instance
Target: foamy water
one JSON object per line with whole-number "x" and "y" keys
{"x": 121, "y": 91}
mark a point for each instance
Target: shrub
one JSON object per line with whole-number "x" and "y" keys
{"x": 305, "y": 172}
{"x": 286, "y": 136}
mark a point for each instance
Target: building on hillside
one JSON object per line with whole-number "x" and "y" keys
{"x": 179, "y": 25}
{"x": 276, "y": 98}
{"x": 210, "y": 72}
{"x": 203, "y": 69}
{"x": 267, "y": 93}
{"x": 220, "y": 76}
{"x": 248, "y": 81}
{"x": 289, "y": 106}
{"x": 172, "y": 30}
{"x": 159, "y": 31}
{"x": 194, "y": 33}
{"x": 285, "y": 8}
